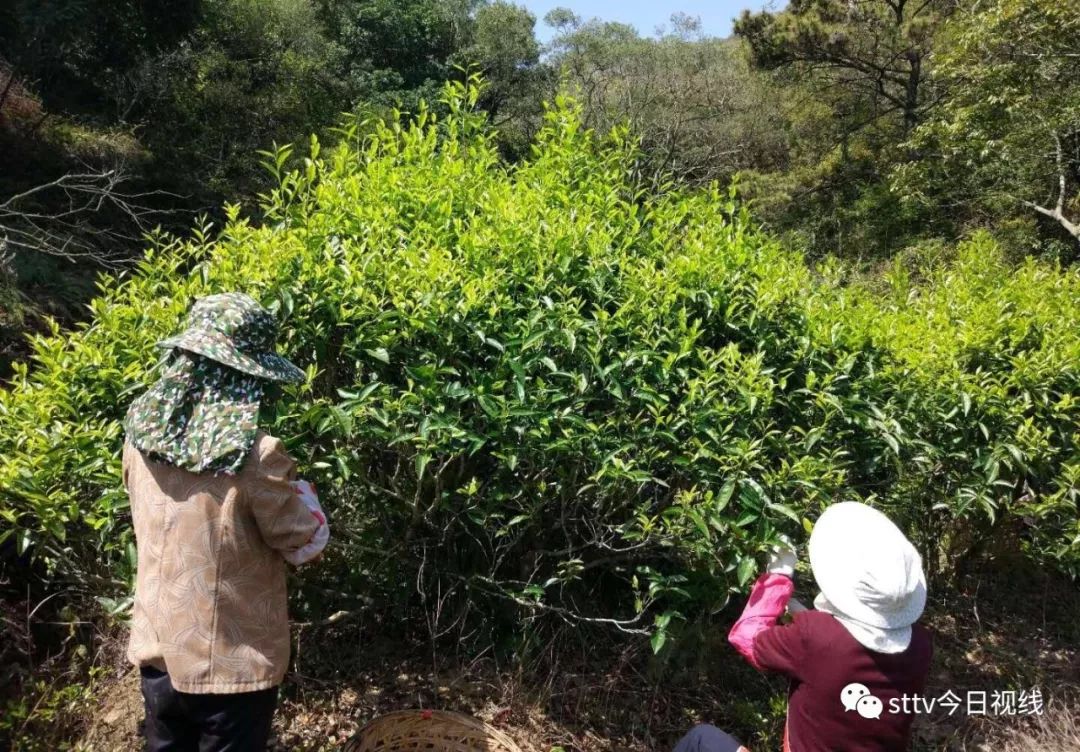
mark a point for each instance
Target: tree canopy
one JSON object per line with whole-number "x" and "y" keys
{"x": 862, "y": 130}
{"x": 1006, "y": 138}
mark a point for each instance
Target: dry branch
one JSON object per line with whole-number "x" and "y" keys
{"x": 63, "y": 218}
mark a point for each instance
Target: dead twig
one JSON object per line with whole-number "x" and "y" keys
{"x": 57, "y": 218}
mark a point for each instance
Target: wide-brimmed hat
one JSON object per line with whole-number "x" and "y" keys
{"x": 232, "y": 329}
{"x": 870, "y": 575}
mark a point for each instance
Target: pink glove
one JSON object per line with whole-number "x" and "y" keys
{"x": 315, "y": 546}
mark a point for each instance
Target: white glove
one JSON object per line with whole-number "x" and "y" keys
{"x": 794, "y": 607}
{"x": 315, "y": 546}
{"x": 782, "y": 560}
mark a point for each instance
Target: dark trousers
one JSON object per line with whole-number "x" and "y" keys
{"x": 182, "y": 722}
{"x": 706, "y": 738}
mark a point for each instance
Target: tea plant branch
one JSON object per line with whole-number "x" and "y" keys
{"x": 335, "y": 618}
{"x": 355, "y": 597}
{"x": 594, "y": 543}
{"x": 342, "y": 614}
{"x": 623, "y": 625}
{"x": 433, "y": 616}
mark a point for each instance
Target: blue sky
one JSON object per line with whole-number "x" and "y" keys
{"x": 716, "y": 15}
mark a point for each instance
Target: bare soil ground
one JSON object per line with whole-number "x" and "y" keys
{"x": 997, "y": 633}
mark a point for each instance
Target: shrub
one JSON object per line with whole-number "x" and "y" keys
{"x": 537, "y": 389}
{"x": 983, "y": 380}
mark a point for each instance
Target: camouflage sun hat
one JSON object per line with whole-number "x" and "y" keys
{"x": 232, "y": 329}
{"x": 201, "y": 416}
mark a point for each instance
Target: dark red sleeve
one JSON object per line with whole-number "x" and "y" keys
{"x": 783, "y": 648}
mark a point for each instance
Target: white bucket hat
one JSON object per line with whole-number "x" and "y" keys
{"x": 871, "y": 577}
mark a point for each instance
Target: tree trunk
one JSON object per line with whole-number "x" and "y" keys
{"x": 911, "y": 94}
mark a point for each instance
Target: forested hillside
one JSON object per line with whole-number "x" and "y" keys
{"x": 858, "y": 130}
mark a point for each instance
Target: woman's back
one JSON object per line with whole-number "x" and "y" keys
{"x": 210, "y": 605}
{"x": 823, "y": 661}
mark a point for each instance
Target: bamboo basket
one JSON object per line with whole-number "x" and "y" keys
{"x": 429, "y": 731}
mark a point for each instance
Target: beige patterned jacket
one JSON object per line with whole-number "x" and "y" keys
{"x": 210, "y": 604}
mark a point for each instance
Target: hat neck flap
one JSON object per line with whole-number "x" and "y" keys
{"x": 878, "y": 639}
{"x": 200, "y": 416}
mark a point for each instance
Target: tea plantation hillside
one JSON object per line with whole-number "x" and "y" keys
{"x": 541, "y": 389}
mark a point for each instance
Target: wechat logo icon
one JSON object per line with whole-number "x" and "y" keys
{"x": 858, "y": 698}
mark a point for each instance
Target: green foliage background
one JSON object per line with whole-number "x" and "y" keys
{"x": 540, "y": 389}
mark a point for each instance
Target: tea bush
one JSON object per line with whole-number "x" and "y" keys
{"x": 538, "y": 389}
